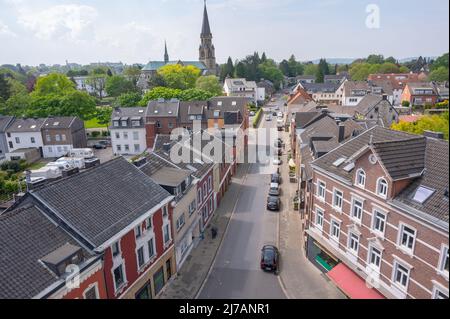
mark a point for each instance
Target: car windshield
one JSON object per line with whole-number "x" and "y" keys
{"x": 269, "y": 255}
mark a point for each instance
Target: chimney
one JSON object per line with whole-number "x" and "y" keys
{"x": 385, "y": 97}
{"x": 341, "y": 132}
{"x": 436, "y": 135}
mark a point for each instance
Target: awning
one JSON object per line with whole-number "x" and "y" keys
{"x": 351, "y": 284}
{"x": 292, "y": 163}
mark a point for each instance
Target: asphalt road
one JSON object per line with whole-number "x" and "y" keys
{"x": 236, "y": 272}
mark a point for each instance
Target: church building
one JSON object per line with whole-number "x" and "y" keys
{"x": 207, "y": 57}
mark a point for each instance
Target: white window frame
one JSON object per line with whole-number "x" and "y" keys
{"x": 332, "y": 223}
{"x": 443, "y": 256}
{"x": 143, "y": 256}
{"x": 437, "y": 288}
{"x": 319, "y": 184}
{"x": 117, "y": 288}
{"x": 358, "y": 172}
{"x": 374, "y": 216}
{"x": 401, "y": 230}
{"x": 395, "y": 268}
{"x": 382, "y": 179}
{"x": 320, "y": 216}
{"x": 369, "y": 257}
{"x": 181, "y": 218}
{"x": 337, "y": 208}
{"x": 353, "y": 217}
{"x": 119, "y": 249}
{"x": 349, "y": 242}
{"x": 95, "y": 286}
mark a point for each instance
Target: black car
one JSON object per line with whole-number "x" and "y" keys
{"x": 276, "y": 178}
{"x": 270, "y": 257}
{"x": 99, "y": 146}
{"x": 273, "y": 203}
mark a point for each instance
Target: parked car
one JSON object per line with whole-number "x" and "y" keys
{"x": 277, "y": 161}
{"x": 273, "y": 203}
{"x": 276, "y": 178}
{"x": 99, "y": 146}
{"x": 252, "y": 113}
{"x": 270, "y": 257}
{"x": 269, "y": 118}
{"x": 274, "y": 190}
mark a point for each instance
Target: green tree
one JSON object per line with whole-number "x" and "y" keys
{"x": 322, "y": 70}
{"x": 284, "y": 68}
{"x": 179, "y": 77}
{"x": 391, "y": 59}
{"x": 131, "y": 99}
{"x": 310, "y": 69}
{"x": 436, "y": 123}
{"x": 98, "y": 83}
{"x": 389, "y": 68}
{"x": 269, "y": 71}
{"x": 17, "y": 105}
{"x": 53, "y": 84}
{"x": 210, "y": 84}
{"x": 78, "y": 104}
{"x": 116, "y": 85}
{"x": 132, "y": 73}
{"x": 375, "y": 59}
{"x": 240, "y": 71}
{"x": 5, "y": 88}
{"x": 195, "y": 95}
{"x": 442, "y": 61}
{"x": 103, "y": 115}
{"x": 160, "y": 93}
{"x": 439, "y": 75}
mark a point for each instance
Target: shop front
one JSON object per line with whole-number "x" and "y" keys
{"x": 319, "y": 256}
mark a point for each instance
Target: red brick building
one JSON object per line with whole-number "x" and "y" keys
{"x": 420, "y": 94}
{"x": 380, "y": 213}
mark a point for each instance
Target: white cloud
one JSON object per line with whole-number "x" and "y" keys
{"x": 6, "y": 31}
{"x": 59, "y": 22}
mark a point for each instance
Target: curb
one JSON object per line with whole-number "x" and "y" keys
{"x": 202, "y": 286}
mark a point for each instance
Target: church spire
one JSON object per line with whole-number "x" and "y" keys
{"x": 166, "y": 53}
{"x": 206, "y": 30}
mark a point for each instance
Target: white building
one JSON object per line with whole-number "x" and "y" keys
{"x": 244, "y": 88}
{"x": 25, "y": 134}
{"x": 128, "y": 135}
{"x": 83, "y": 85}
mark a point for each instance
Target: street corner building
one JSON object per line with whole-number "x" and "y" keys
{"x": 111, "y": 222}
{"x": 378, "y": 213}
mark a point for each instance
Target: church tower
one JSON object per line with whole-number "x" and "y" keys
{"x": 166, "y": 53}
{"x": 207, "y": 50}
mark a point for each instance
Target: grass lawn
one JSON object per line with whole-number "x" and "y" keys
{"x": 37, "y": 165}
{"x": 93, "y": 124}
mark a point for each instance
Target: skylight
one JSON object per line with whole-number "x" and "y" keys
{"x": 339, "y": 162}
{"x": 349, "y": 167}
{"x": 56, "y": 124}
{"x": 33, "y": 126}
{"x": 423, "y": 194}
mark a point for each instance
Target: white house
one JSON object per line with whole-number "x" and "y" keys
{"x": 25, "y": 134}
{"x": 128, "y": 135}
{"x": 244, "y": 88}
{"x": 83, "y": 85}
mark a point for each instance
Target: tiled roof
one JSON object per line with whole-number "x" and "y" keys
{"x": 101, "y": 202}
{"x": 163, "y": 108}
{"x": 321, "y": 87}
{"x": 170, "y": 176}
{"x": 26, "y": 236}
{"x": 23, "y": 125}
{"x": 349, "y": 86}
{"x": 58, "y": 122}
{"x": 4, "y": 122}
{"x": 304, "y": 118}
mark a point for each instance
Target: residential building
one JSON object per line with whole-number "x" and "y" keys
{"x": 62, "y": 134}
{"x": 325, "y": 93}
{"x": 442, "y": 90}
{"x": 193, "y": 112}
{"x": 268, "y": 87}
{"x": 397, "y": 81}
{"x": 82, "y": 84}
{"x": 128, "y": 133}
{"x": 244, "y": 88}
{"x": 117, "y": 211}
{"x": 306, "y": 79}
{"x": 40, "y": 259}
{"x": 379, "y": 214}
{"x": 4, "y": 123}
{"x": 25, "y": 133}
{"x": 420, "y": 94}
{"x": 336, "y": 79}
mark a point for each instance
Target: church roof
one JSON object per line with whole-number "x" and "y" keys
{"x": 206, "y": 30}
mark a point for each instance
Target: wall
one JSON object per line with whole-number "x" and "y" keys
{"x": 141, "y": 141}
{"x": 25, "y": 140}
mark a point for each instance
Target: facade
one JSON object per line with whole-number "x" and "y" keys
{"x": 397, "y": 81}
{"x": 325, "y": 93}
{"x": 24, "y": 134}
{"x": 4, "y": 123}
{"x": 386, "y": 223}
{"x": 61, "y": 134}
{"x": 420, "y": 94}
{"x": 35, "y": 254}
{"x": 244, "y": 88}
{"x": 128, "y": 135}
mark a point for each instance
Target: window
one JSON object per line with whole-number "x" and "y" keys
{"x": 63, "y": 137}
{"x": 439, "y": 294}
{"x": 379, "y": 222}
{"x": 17, "y": 140}
{"x": 361, "y": 178}
{"x": 10, "y": 144}
{"x": 338, "y": 199}
{"x": 116, "y": 123}
{"x": 165, "y": 212}
{"x": 170, "y": 125}
{"x": 136, "y": 136}
{"x": 210, "y": 184}
{"x": 119, "y": 148}
{"x": 91, "y": 293}
{"x": 335, "y": 230}
{"x": 199, "y": 196}
{"x": 127, "y": 148}
{"x": 117, "y": 135}
{"x": 211, "y": 205}
{"x": 57, "y": 137}
{"x": 50, "y": 149}
{"x": 382, "y": 187}
{"x": 319, "y": 218}
{"x": 148, "y": 223}
{"x": 158, "y": 124}
{"x": 374, "y": 257}
{"x": 115, "y": 249}
{"x": 125, "y": 135}
{"x": 443, "y": 265}
{"x": 353, "y": 242}
{"x": 401, "y": 275}
{"x": 357, "y": 209}
{"x": 205, "y": 213}
{"x": 321, "y": 190}
{"x": 181, "y": 222}
{"x": 141, "y": 257}
{"x": 33, "y": 140}
{"x": 166, "y": 234}
{"x": 138, "y": 232}
{"x": 151, "y": 248}
{"x": 124, "y": 123}
{"x": 205, "y": 190}
{"x": 137, "y": 148}
{"x": 407, "y": 238}
{"x": 136, "y": 123}
{"x": 118, "y": 277}
{"x": 216, "y": 113}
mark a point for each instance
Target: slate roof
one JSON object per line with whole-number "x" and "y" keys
{"x": 26, "y": 236}
{"x": 163, "y": 108}
{"x": 192, "y": 108}
{"x": 129, "y": 113}
{"x": 169, "y": 176}
{"x": 206, "y": 29}
{"x": 4, "y": 122}
{"x": 321, "y": 87}
{"x": 102, "y": 201}
{"x": 304, "y": 118}
{"x": 349, "y": 86}
{"x": 59, "y": 122}
{"x": 24, "y": 125}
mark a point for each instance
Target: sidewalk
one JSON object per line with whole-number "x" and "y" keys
{"x": 190, "y": 278}
{"x": 299, "y": 277}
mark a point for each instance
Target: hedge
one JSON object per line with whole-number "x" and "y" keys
{"x": 257, "y": 118}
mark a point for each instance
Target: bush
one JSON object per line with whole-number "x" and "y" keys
{"x": 406, "y": 104}
{"x": 257, "y": 118}
{"x": 13, "y": 166}
{"x": 96, "y": 134}
{"x": 105, "y": 133}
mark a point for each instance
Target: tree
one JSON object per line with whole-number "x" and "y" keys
{"x": 284, "y": 68}
{"x": 5, "y": 88}
{"x": 389, "y": 68}
{"x": 16, "y": 105}
{"x": 271, "y": 72}
{"x": 322, "y": 70}
{"x": 53, "y": 84}
{"x": 229, "y": 68}
{"x": 98, "y": 83}
{"x": 116, "y": 85}
{"x": 73, "y": 73}
{"x": 179, "y": 77}
{"x": 391, "y": 60}
{"x": 79, "y": 104}
{"x": 210, "y": 84}
{"x": 133, "y": 73}
{"x": 375, "y": 59}
{"x": 439, "y": 75}
{"x": 436, "y": 123}
{"x": 442, "y": 61}
{"x": 195, "y": 95}
{"x": 103, "y": 115}
{"x": 131, "y": 99}
{"x": 240, "y": 71}
{"x": 263, "y": 57}
{"x": 310, "y": 69}
{"x": 159, "y": 93}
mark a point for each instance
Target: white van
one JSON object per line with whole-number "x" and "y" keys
{"x": 47, "y": 172}
{"x": 81, "y": 153}
{"x": 74, "y": 161}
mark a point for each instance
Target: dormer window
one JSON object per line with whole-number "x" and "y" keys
{"x": 124, "y": 123}
{"x": 115, "y": 249}
{"x": 382, "y": 188}
{"x": 361, "y": 178}
{"x": 116, "y": 124}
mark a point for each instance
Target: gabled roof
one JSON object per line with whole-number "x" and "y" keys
{"x": 26, "y": 237}
{"x": 350, "y": 86}
{"x": 321, "y": 87}
{"x": 4, "y": 122}
{"x": 102, "y": 201}
{"x": 302, "y": 119}
{"x": 59, "y": 122}
{"x": 163, "y": 108}
{"x": 24, "y": 125}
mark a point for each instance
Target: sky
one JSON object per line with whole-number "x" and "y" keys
{"x": 133, "y": 31}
